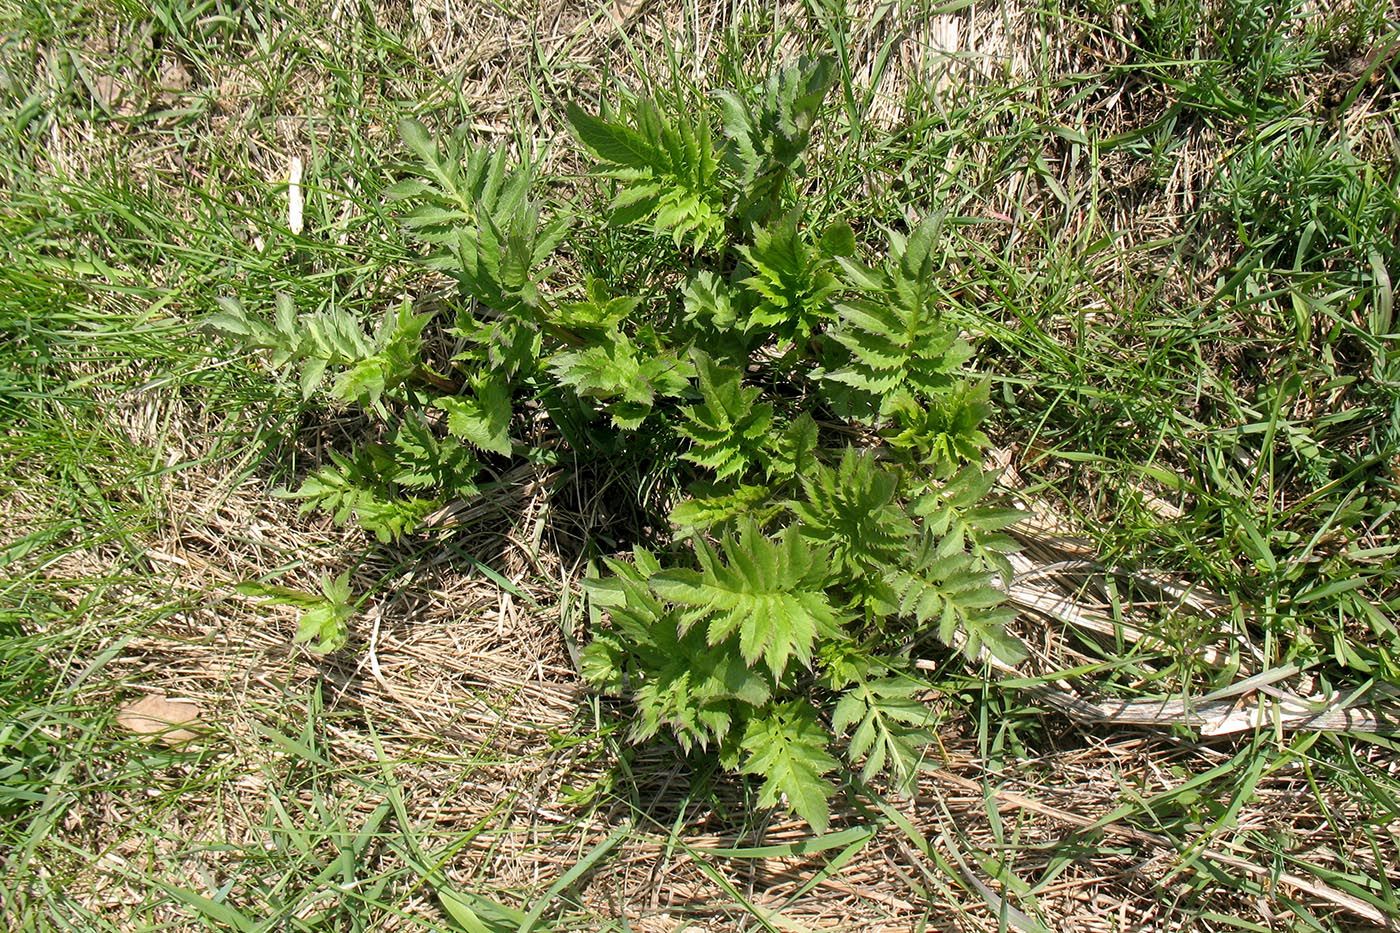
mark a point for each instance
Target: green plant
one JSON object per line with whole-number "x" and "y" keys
{"x": 835, "y": 525}
{"x": 325, "y": 616}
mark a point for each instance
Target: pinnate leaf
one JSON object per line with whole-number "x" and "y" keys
{"x": 728, "y": 429}
{"x": 890, "y": 728}
{"x": 769, "y": 592}
{"x": 787, "y": 748}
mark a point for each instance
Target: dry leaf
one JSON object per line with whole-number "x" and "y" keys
{"x": 174, "y": 77}
{"x": 160, "y": 718}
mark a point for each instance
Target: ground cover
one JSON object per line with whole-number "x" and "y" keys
{"x": 1169, "y": 229}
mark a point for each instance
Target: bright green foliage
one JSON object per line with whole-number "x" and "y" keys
{"x": 890, "y": 728}
{"x": 598, "y": 313}
{"x": 768, "y": 591}
{"x": 417, "y": 457}
{"x": 788, "y": 749}
{"x": 613, "y": 372}
{"x": 710, "y": 303}
{"x": 473, "y": 208}
{"x": 902, "y": 351}
{"x": 369, "y": 364}
{"x": 727, "y": 429}
{"x": 767, "y": 140}
{"x": 325, "y": 624}
{"x": 325, "y": 617}
{"x": 500, "y": 266}
{"x": 852, "y": 509}
{"x": 793, "y": 453}
{"x": 482, "y": 418}
{"x": 363, "y": 487}
{"x": 947, "y": 587}
{"x": 954, "y": 512}
{"x": 713, "y": 334}
{"x": 943, "y": 432}
{"x": 703, "y": 512}
{"x": 637, "y": 618}
{"x": 668, "y": 172}
{"x": 695, "y": 690}
{"x": 792, "y": 279}
{"x": 685, "y": 685}
{"x": 462, "y": 185}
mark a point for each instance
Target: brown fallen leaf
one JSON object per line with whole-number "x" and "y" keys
{"x": 160, "y": 718}
{"x": 174, "y": 77}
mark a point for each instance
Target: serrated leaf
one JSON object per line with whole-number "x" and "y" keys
{"x": 286, "y": 314}
{"x": 789, "y": 280}
{"x": 890, "y": 728}
{"x": 898, "y": 342}
{"x": 769, "y": 592}
{"x": 611, "y": 142}
{"x": 324, "y": 627}
{"x": 727, "y": 429}
{"x": 407, "y": 188}
{"x": 483, "y": 419}
{"x": 703, "y": 513}
{"x": 605, "y": 370}
{"x": 416, "y": 136}
{"x": 793, "y": 453}
{"x": 787, "y": 748}
{"x": 312, "y": 372}
{"x": 363, "y": 382}
{"x": 861, "y": 276}
{"x": 708, "y": 299}
{"x": 233, "y": 323}
{"x": 948, "y": 588}
{"x": 337, "y": 589}
{"x": 667, "y": 172}
{"x": 853, "y": 509}
{"x": 952, "y": 514}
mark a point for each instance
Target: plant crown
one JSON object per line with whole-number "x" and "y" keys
{"x": 836, "y": 519}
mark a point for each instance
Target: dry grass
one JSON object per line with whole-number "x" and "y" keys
{"x": 460, "y": 694}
